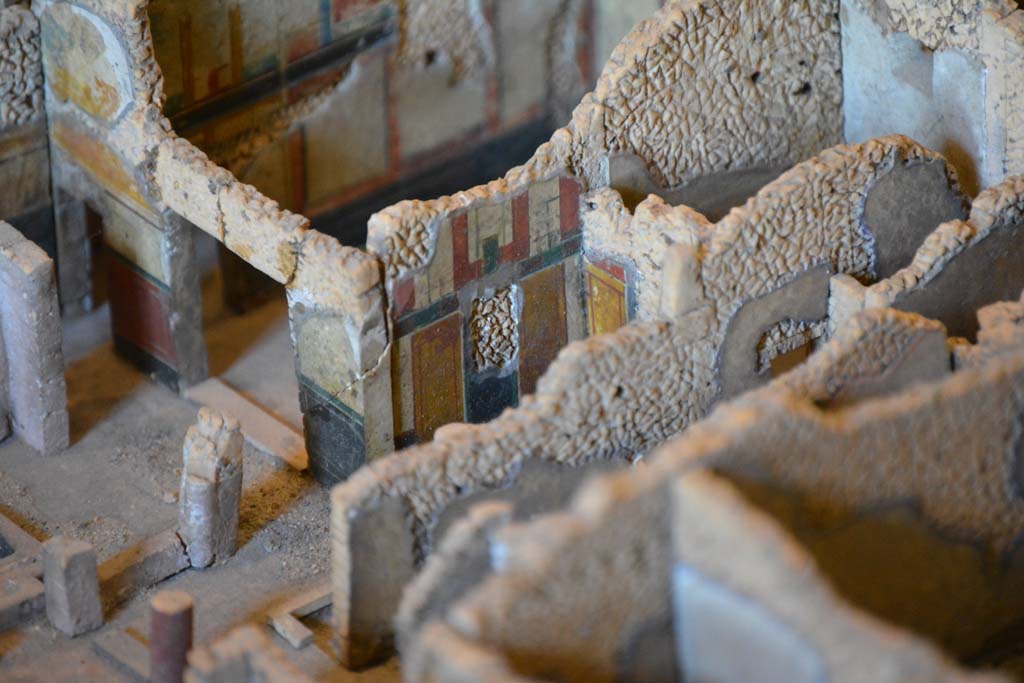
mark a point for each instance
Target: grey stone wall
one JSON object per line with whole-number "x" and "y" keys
{"x": 31, "y": 330}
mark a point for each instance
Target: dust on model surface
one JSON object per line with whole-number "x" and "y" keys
{"x": 721, "y": 382}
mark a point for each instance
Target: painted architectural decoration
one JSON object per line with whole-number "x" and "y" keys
{"x": 712, "y": 373}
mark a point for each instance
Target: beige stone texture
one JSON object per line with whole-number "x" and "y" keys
{"x": 1000, "y": 333}
{"x": 21, "y": 74}
{"x": 938, "y": 25}
{"x": 653, "y": 100}
{"x": 613, "y": 397}
{"x": 462, "y": 559}
{"x": 494, "y": 328}
{"x": 454, "y": 29}
{"x": 211, "y": 488}
{"x": 245, "y": 655}
{"x": 861, "y": 541}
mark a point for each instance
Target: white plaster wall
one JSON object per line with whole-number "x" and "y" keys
{"x": 894, "y": 84}
{"x": 613, "y": 19}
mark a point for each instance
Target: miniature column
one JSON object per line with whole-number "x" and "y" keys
{"x": 211, "y": 488}
{"x": 72, "y": 586}
{"x": 170, "y": 636}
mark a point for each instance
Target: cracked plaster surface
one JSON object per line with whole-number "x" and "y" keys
{"x": 853, "y": 458}
{"x": 680, "y": 92}
{"x": 454, "y": 28}
{"x": 616, "y": 396}
{"x": 21, "y": 74}
{"x": 494, "y": 329}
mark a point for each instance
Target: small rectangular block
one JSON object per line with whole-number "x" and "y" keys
{"x": 292, "y": 630}
{"x": 143, "y": 565}
{"x": 72, "y": 586}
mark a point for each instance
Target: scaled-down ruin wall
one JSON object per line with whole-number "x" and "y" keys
{"x": 326, "y": 106}
{"x": 831, "y": 546}
{"x": 24, "y": 159}
{"x": 33, "y": 394}
{"x": 658, "y": 100}
{"x": 450, "y": 279}
{"x": 948, "y": 75}
{"x": 116, "y": 155}
{"x": 962, "y": 266}
{"x": 612, "y": 397}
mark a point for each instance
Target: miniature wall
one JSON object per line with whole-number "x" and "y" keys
{"x": 33, "y": 394}
{"x": 628, "y": 250}
{"x": 841, "y": 483}
{"x": 875, "y": 353}
{"x": 326, "y": 107}
{"x": 739, "y": 583}
{"x": 613, "y": 397}
{"x": 422, "y": 246}
{"x": 115, "y": 153}
{"x": 475, "y": 329}
{"x": 949, "y": 78}
{"x": 24, "y": 159}
{"x": 942, "y": 280}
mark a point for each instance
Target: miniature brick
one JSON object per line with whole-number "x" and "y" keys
{"x": 72, "y": 586}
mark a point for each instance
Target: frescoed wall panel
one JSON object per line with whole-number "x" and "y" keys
{"x": 524, "y": 250}
{"x": 544, "y": 325}
{"x": 399, "y": 122}
{"x": 437, "y": 376}
{"x": 606, "y": 298}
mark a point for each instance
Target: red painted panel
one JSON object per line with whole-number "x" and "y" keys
{"x": 464, "y": 271}
{"x": 519, "y": 247}
{"x": 405, "y": 296}
{"x": 613, "y": 269}
{"x": 569, "y": 204}
{"x": 140, "y": 311}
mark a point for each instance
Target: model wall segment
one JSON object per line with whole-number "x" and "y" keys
{"x": 341, "y": 335}
{"x": 409, "y": 89}
{"x": 30, "y": 337}
{"x": 949, "y": 78}
{"x": 694, "y": 92}
{"x": 568, "y": 556}
{"x": 21, "y": 95}
{"x": 130, "y": 157}
{"x": 24, "y": 160}
{"x": 403, "y": 234}
{"x": 588, "y": 408}
{"x": 939, "y": 282}
{"x": 385, "y": 517}
{"x": 522, "y": 249}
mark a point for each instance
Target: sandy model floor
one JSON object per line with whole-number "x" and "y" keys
{"x": 118, "y": 485}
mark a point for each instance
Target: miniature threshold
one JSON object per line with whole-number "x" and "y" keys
{"x": 723, "y": 383}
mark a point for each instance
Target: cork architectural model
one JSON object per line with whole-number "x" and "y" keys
{"x": 547, "y": 340}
